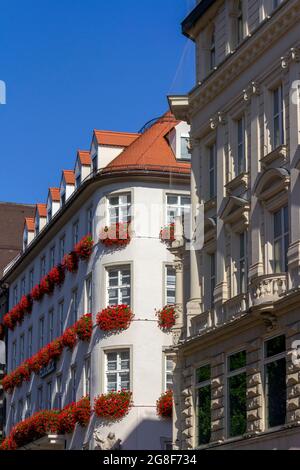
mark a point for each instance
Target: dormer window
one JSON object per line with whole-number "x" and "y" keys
{"x": 185, "y": 148}
{"x": 95, "y": 163}
{"x": 49, "y": 213}
{"x": 78, "y": 181}
{"x": 37, "y": 226}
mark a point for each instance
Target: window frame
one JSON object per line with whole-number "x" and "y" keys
{"x": 282, "y": 239}
{"x": 118, "y": 371}
{"x": 179, "y": 207}
{"x": 119, "y": 268}
{"x": 229, "y": 374}
{"x": 197, "y": 387}
{"x": 119, "y": 217}
{"x": 88, "y": 293}
{"x": 278, "y": 115}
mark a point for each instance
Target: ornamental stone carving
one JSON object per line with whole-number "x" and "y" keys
{"x": 108, "y": 443}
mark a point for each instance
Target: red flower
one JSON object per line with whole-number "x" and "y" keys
{"x": 167, "y": 317}
{"x": 167, "y": 234}
{"x": 113, "y": 405}
{"x": 69, "y": 338}
{"x": 34, "y": 363}
{"x": 116, "y": 235}
{"x": 70, "y": 262}
{"x": 37, "y": 293}
{"x": 84, "y": 248}
{"x": 57, "y": 275}
{"x": 26, "y": 304}
{"x": 115, "y": 318}
{"x": 55, "y": 349}
{"x": 8, "y": 321}
{"x": 84, "y": 327}
{"x": 83, "y": 411}
{"x": 164, "y": 406}
{"x": 67, "y": 419}
{"x": 47, "y": 285}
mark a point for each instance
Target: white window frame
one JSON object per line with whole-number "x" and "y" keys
{"x": 74, "y": 305}
{"x": 168, "y": 286}
{"x": 89, "y": 294}
{"x": 28, "y": 405}
{"x": 61, "y": 319}
{"x": 118, "y": 371}
{"x": 75, "y": 232}
{"x": 73, "y": 383}
{"x": 22, "y": 348}
{"x": 119, "y": 217}
{"x": 90, "y": 221}
{"x": 43, "y": 266}
{"x": 186, "y": 138}
{"x": 179, "y": 208}
{"x": 168, "y": 384}
{"x": 120, "y": 286}
{"x": 51, "y": 329}
{"x": 278, "y": 116}
{"x": 52, "y": 257}
{"x": 281, "y": 240}
{"x": 87, "y": 376}
{"x": 62, "y": 246}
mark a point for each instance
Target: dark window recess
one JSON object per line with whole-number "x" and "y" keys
{"x": 237, "y": 389}
{"x": 204, "y": 415}
{"x": 203, "y": 374}
{"x": 275, "y": 346}
{"x": 276, "y": 392}
{"x": 237, "y": 361}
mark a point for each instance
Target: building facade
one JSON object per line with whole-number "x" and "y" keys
{"x": 237, "y": 374}
{"x": 140, "y": 179}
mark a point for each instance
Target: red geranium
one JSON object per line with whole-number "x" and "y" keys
{"x": 164, "y": 406}
{"x": 115, "y": 235}
{"x": 47, "y": 285}
{"x": 167, "y": 234}
{"x": 69, "y": 338}
{"x": 83, "y": 411}
{"x": 34, "y": 363}
{"x": 26, "y": 303}
{"x": 167, "y": 317}
{"x": 67, "y": 419}
{"x": 57, "y": 275}
{"x": 113, "y": 405}
{"x": 84, "y": 248}
{"x": 8, "y": 321}
{"x": 115, "y": 318}
{"x": 55, "y": 349}
{"x": 70, "y": 262}
{"x": 37, "y": 293}
{"x": 84, "y": 327}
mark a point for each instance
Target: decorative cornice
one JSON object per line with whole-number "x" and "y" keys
{"x": 234, "y": 65}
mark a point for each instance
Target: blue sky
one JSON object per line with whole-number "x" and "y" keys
{"x": 74, "y": 65}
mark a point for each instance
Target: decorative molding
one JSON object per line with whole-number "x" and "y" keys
{"x": 241, "y": 181}
{"x": 293, "y": 55}
{"x": 218, "y": 119}
{"x": 280, "y": 154}
{"x": 252, "y": 90}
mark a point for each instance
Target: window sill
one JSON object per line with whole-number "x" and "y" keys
{"x": 240, "y": 182}
{"x": 278, "y": 155}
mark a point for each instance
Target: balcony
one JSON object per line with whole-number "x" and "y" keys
{"x": 202, "y": 322}
{"x": 268, "y": 288}
{"x": 235, "y": 306}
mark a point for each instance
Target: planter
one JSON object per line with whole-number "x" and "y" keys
{"x": 167, "y": 234}
{"x": 84, "y": 248}
{"x": 166, "y": 317}
{"x": 115, "y": 318}
{"x": 114, "y": 405}
{"x": 116, "y": 235}
{"x": 164, "y": 405}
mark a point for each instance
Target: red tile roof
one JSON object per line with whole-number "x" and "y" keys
{"x": 69, "y": 177}
{"x": 29, "y": 222}
{"x": 55, "y": 194}
{"x": 115, "y": 139}
{"x": 42, "y": 210}
{"x": 152, "y": 150}
{"x": 84, "y": 157}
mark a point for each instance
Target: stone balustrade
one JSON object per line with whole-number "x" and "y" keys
{"x": 268, "y": 288}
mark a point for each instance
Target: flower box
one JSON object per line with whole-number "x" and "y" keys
{"x": 57, "y": 275}
{"x": 70, "y": 262}
{"x": 69, "y": 338}
{"x": 164, "y": 405}
{"x": 84, "y": 327}
{"x": 84, "y": 248}
{"x": 115, "y": 318}
{"x": 37, "y": 293}
{"x": 167, "y": 234}
{"x": 117, "y": 235}
{"x": 166, "y": 317}
{"x": 114, "y": 405}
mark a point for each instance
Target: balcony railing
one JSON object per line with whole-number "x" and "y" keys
{"x": 235, "y": 306}
{"x": 268, "y": 288}
{"x": 202, "y": 322}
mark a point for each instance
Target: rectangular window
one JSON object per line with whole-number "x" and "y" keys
{"x": 89, "y": 220}
{"x": 20, "y": 411}
{"x": 87, "y": 377}
{"x": 40, "y": 398}
{"x": 95, "y": 163}
{"x": 74, "y": 306}
{"x": 169, "y": 368}
{"x": 61, "y": 319}
{"x": 237, "y": 394}
{"x": 89, "y": 294}
{"x": 281, "y": 240}
{"x": 242, "y": 274}
{"x": 31, "y": 279}
{"x": 22, "y": 348}
{"x": 212, "y": 51}
{"x": 275, "y": 381}
{"x": 15, "y": 295}
{"x": 203, "y": 393}
{"x": 78, "y": 181}
{"x": 41, "y": 332}
{"x": 212, "y": 275}
{"x": 43, "y": 266}
{"x": 119, "y": 208}
{"x": 49, "y": 396}
{"x": 14, "y": 355}
{"x": 241, "y": 147}
{"x": 75, "y": 233}
{"x": 13, "y": 414}
{"x": 28, "y": 405}
{"x": 73, "y": 384}
{"x": 63, "y": 199}
{"x": 62, "y": 251}
{"x": 117, "y": 370}
{"x": 51, "y": 325}
{"x": 29, "y": 345}
{"x": 278, "y": 121}
{"x": 212, "y": 173}
{"x": 59, "y": 392}
{"x": 119, "y": 286}
{"x": 23, "y": 287}
{"x": 177, "y": 205}
{"x": 185, "y": 148}
{"x": 170, "y": 285}
{"x": 52, "y": 257}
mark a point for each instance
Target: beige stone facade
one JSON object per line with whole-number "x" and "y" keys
{"x": 244, "y": 279}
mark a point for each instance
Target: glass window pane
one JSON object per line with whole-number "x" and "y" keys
{"x": 237, "y": 361}
{"x": 237, "y": 390}
{"x": 172, "y": 200}
{"x": 204, "y": 415}
{"x": 276, "y": 392}
{"x": 275, "y": 346}
{"x": 277, "y": 224}
{"x": 203, "y": 374}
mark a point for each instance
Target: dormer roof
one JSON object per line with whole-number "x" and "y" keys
{"x": 55, "y": 194}
{"x": 115, "y": 139}
{"x": 41, "y": 210}
{"x": 29, "y": 224}
{"x": 69, "y": 177}
{"x": 84, "y": 157}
